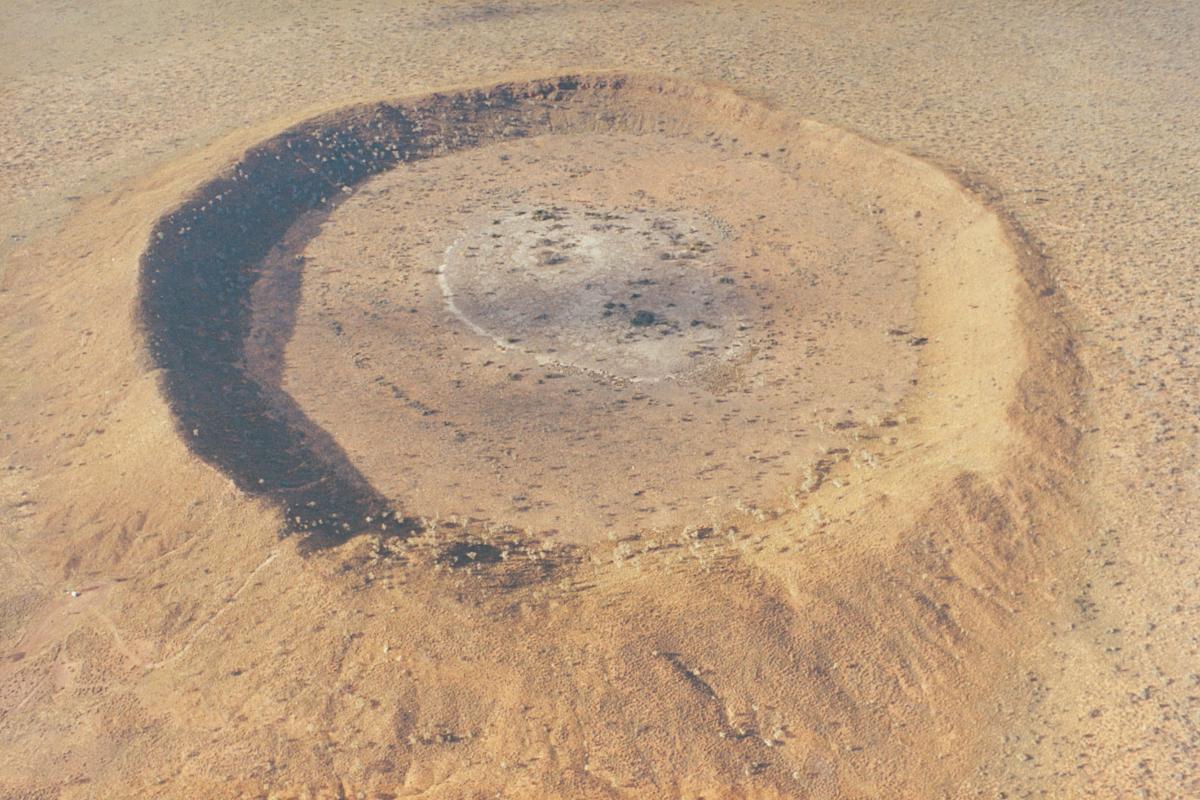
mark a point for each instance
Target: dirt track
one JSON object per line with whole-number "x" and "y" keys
{"x": 988, "y": 587}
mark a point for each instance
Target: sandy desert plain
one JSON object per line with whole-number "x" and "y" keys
{"x": 599, "y": 400}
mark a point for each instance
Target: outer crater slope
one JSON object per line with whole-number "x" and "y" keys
{"x": 333, "y": 324}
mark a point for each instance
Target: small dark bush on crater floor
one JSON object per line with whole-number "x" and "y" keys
{"x": 462, "y": 554}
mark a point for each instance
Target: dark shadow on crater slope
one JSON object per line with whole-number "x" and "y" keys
{"x": 204, "y": 257}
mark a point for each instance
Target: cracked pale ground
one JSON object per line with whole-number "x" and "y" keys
{"x": 986, "y": 588}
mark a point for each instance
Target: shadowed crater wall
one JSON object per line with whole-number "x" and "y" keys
{"x": 204, "y": 257}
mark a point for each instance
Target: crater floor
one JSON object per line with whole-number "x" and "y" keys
{"x": 593, "y": 335}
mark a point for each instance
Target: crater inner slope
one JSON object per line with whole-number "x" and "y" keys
{"x": 437, "y": 341}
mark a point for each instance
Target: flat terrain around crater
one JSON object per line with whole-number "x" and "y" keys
{"x": 329, "y": 471}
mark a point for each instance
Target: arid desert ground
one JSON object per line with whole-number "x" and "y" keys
{"x": 599, "y": 400}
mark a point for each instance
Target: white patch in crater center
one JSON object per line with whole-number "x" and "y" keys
{"x": 635, "y": 294}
